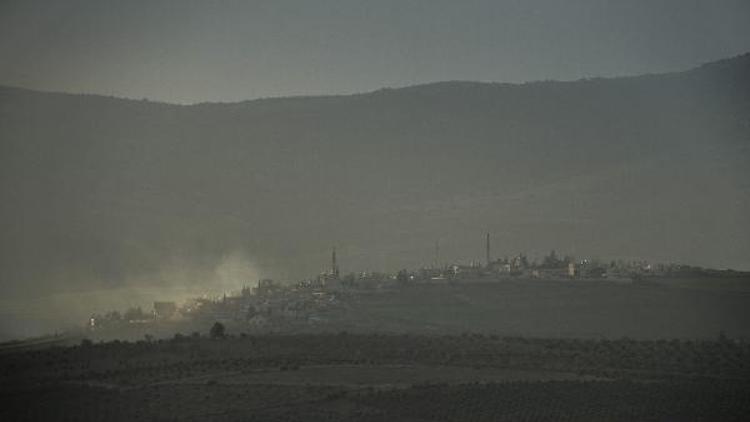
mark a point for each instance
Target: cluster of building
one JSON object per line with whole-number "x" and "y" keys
{"x": 551, "y": 267}
{"x": 319, "y": 299}
{"x": 269, "y": 305}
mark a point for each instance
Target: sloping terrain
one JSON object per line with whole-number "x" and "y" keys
{"x": 375, "y": 377}
{"x": 104, "y": 192}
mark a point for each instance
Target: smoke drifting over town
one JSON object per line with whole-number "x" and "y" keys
{"x": 177, "y": 280}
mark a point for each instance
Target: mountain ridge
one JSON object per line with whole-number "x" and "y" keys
{"x": 743, "y": 58}
{"x": 100, "y": 191}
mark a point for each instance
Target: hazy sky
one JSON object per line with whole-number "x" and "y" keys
{"x": 191, "y": 51}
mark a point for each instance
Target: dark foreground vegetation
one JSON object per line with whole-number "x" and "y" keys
{"x": 339, "y": 377}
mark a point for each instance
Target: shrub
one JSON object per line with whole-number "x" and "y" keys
{"x": 217, "y": 330}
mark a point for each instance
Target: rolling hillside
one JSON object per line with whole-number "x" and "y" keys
{"x": 104, "y": 192}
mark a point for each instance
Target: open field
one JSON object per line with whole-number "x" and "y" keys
{"x": 687, "y": 308}
{"x": 376, "y": 377}
{"x": 506, "y": 350}
{"x": 665, "y": 309}
{"x": 582, "y": 309}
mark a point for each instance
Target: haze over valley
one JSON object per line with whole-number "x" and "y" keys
{"x": 102, "y": 193}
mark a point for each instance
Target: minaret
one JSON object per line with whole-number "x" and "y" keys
{"x": 487, "y": 250}
{"x": 334, "y": 266}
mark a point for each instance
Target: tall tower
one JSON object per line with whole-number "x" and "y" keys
{"x": 334, "y": 265}
{"x": 487, "y": 250}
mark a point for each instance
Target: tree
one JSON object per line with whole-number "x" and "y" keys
{"x": 251, "y": 312}
{"x": 217, "y": 330}
{"x": 402, "y": 277}
{"x": 524, "y": 261}
{"x": 551, "y": 260}
{"x": 349, "y": 280}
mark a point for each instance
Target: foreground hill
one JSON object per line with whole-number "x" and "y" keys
{"x": 348, "y": 377}
{"x": 98, "y": 191}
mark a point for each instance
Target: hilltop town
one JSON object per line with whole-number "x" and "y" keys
{"x": 506, "y": 339}
{"x": 333, "y": 299}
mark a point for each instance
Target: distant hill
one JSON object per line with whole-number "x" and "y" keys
{"x": 98, "y": 191}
